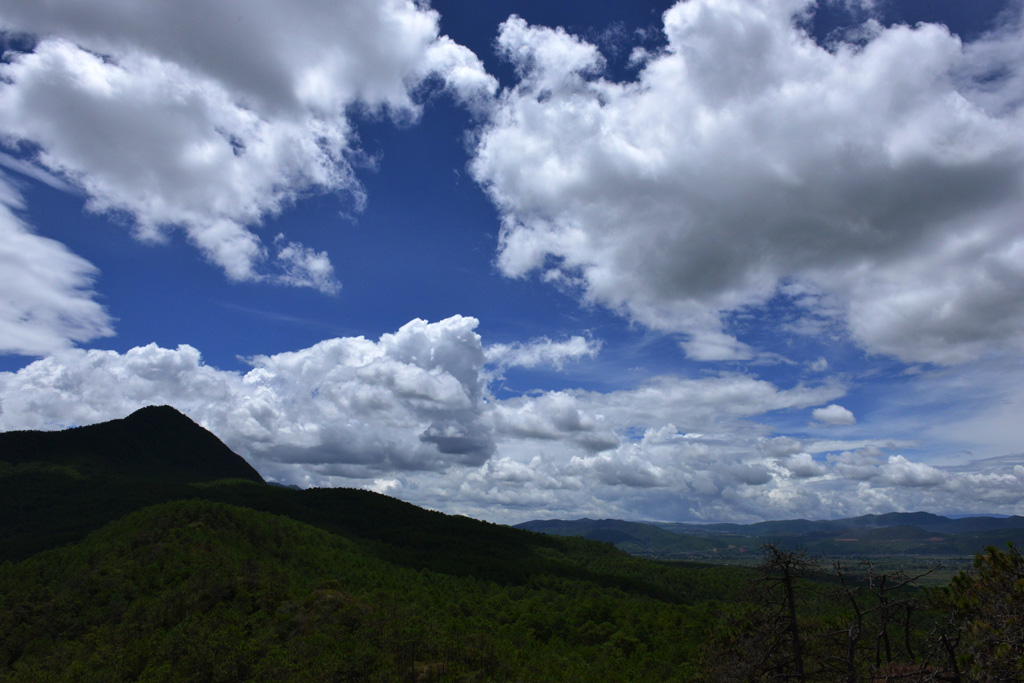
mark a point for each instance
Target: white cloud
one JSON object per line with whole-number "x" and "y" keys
{"x": 305, "y": 267}
{"x": 551, "y": 58}
{"x": 76, "y": 387}
{"x": 703, "y": 405}
{"x": 993, "y": 74}
{"x": 202, "y": 116}
{"x": 744, "y": 162}
{"x": 834, "y": 415}
{"x": 860, "y": 464}
{"x": 411, "y": 401}
{"x": 30, "y": 171}
{"x": 410, "y": 414}
{"x": 46, "y": 292}
{"x": 901, "y": 472}
{"x": 745, "y": 159}
{"x": 708, "y": 345}
{"x": 804, "y": 465}
{"x": 555, "y": 416}
{"x": 855, "y": 6}
{"x": 542, "y": 352}
{"x": 621, "y": 469}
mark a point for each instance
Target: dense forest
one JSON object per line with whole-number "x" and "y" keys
{"x": 129, "y": 560}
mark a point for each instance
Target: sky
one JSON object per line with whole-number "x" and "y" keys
{"x": 713, "y": 260}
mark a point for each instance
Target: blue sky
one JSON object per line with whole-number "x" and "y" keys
{"x": 700, "y": 261}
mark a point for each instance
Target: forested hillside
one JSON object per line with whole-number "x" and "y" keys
{"x": 207, "y": 591}
{"x": 113, "y": 574}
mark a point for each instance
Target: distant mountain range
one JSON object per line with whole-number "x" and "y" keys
{"x": 895, "y": 533}
{"x": 922, "y": 520}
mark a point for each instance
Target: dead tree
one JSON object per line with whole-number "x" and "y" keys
{"x": 883, "y": 607}
{"x": 780, "y": 571}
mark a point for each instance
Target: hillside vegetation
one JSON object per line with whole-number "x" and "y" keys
{"x": 181, "y": 578}
{"x": 127, "y": 560}
{"x": 195, "y": 590}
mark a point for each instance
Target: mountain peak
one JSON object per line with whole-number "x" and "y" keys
{"x": 158, "y": 412}
{"x": 152, "y": 442}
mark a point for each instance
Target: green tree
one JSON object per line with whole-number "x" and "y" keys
{"x": 987, "y": 605}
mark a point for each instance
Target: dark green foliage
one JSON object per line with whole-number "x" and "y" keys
{"x": 874, "y": 625}
{"x": 154, "y": 443}
{"x": 47, "y": 504}
{"x": 986, "y": 608}
{"x": 897, "y": 533}
{"x": 207, "y": 591}
{"x": 195, "y": 570}
{"x": 186, "y": 577}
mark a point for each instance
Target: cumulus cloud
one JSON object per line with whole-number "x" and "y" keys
{"x": 708, "y": 345}
{"x": 859, "y": 464}
{"x": 411, "y": 414}
{"x": 902, "y": 472}
{"x": 413, "y": 400}
{"x": 744, "y": 164}
{"x": 47, "y": 300}
{"x": 555, "y": 416}
{"x": 203, "y": 117}
{"x": 621, "y": 469}
{"x": 804, "y": 465}
{"x": 834, "y": 415}
{"x": 701, "y": 449}
{"x": 305, "y": 267}
{"x": 746, "y": 159}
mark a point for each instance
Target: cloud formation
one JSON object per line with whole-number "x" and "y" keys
{"x": 204, "y": 117}
{"x": 746, "y": 159}
{"x": 46, "y": 292}
{"x": 411, "y": 414}
{"x": 745, "y": 168}
{"x": 542, "y": 352}
{"x": 348, "y": 407}
{"x": 834, "y": 415}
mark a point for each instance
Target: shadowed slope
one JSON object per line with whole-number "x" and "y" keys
{"x": 157, "y": 442}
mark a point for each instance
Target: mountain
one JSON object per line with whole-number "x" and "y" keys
{"x": 897, "y": 533}
{"x": 937, "y": 523}
{"x": 803, "y": 527}
{"x": 58, "y": 487}
{"x": 156, "y": 442}
{"x": 142, "y": 549}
